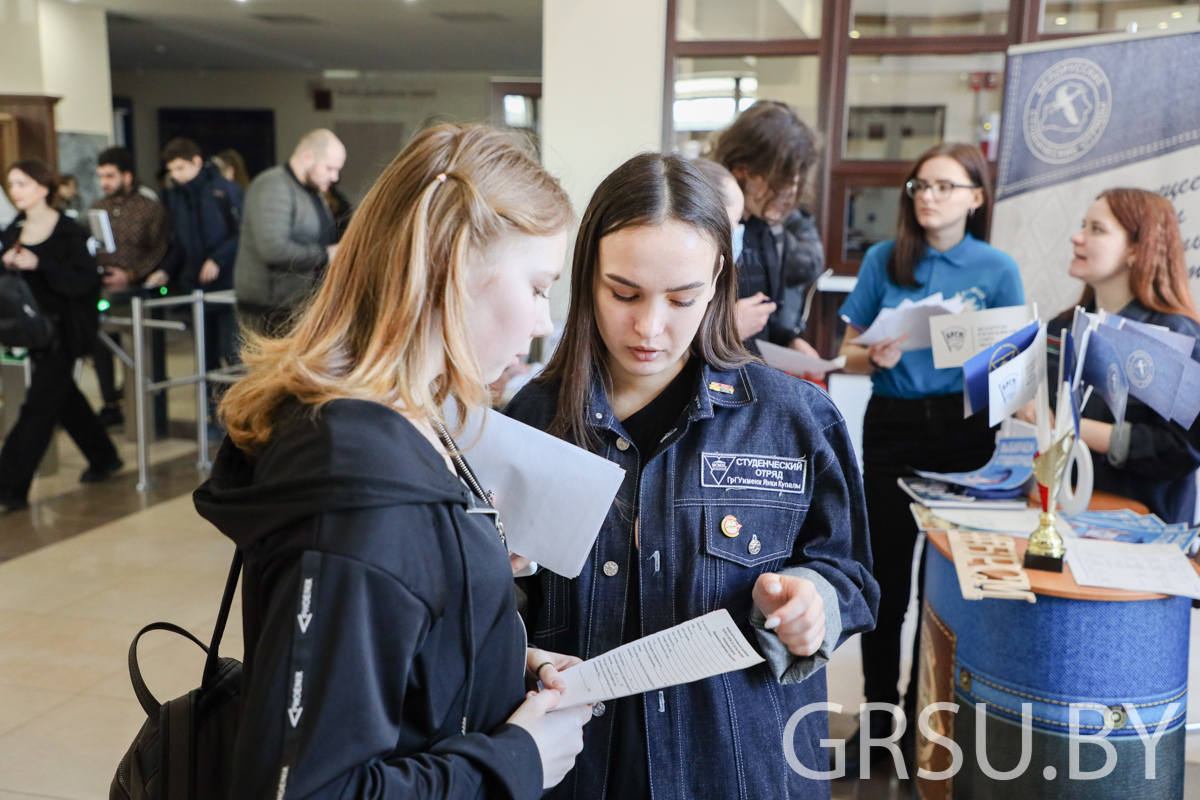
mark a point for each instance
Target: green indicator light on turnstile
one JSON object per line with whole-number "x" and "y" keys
{"x": 162, "y": 290}
{"x": 102, "y": 305}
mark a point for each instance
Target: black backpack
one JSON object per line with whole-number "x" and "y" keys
{"x": 184, "y": 751}
{"x": 22, "y": 324}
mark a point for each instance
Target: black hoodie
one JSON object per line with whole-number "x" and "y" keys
{"x": 383, "y": 647}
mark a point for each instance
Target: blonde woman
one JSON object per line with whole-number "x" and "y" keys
{"x": 384, "y": 654}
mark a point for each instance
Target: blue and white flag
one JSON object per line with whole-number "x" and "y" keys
{"x": 1179, "y": 342}
{"x": 1103, "y": 372}
{"x": 977, "y": 368}
{"x": 1155, "y": 372}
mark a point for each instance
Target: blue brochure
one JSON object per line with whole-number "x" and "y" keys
{"x": 977, "y": 367}
{"x": 1010, "y": 467}
{"x": 1126, "y": 526}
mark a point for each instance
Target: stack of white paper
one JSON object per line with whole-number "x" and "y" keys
{"x": 1160, "y": 568}
{"x": 552, "y": 496}
{"x": 697, "y": 649}
{"x": 911, "y": 318}
{"x": 1016, "y": 522}
{"x": 793, "y": 362}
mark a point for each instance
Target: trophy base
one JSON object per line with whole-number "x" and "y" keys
{"x": 1043, "y": 563}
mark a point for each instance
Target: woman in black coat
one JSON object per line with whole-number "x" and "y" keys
{"x": 49, "y": 250}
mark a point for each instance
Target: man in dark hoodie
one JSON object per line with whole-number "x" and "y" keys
{"x": 206, "y": 212}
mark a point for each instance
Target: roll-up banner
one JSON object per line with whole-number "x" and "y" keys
{"x": 1087, "y": 114}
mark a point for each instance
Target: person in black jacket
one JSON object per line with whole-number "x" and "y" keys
{"x": 49, "y": 250}
{"x": 206, "y": 213}
{"x": 384, "y": 655}
{"x": 771, "y": 152}
{"x": 1130, "y": 256}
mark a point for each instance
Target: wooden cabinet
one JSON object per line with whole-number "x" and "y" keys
{"x": 32, "y": 119}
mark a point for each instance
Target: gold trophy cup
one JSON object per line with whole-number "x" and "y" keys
{"x": 1045, "y": 550}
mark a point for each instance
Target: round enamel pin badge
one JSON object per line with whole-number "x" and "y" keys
{"x": 730, "y": 526}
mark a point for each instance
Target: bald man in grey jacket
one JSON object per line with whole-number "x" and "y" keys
{"x": 287, "y": 236}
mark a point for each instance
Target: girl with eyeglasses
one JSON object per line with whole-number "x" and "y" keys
{"x": 915, "y": 416}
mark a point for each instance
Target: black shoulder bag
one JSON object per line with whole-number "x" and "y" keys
{"x": 22, "y": 324}
{"x": 184, "y": 751}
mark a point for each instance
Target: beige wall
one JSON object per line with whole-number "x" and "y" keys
{"x": 20, "y": 48}
{"x": 411, "y": 100}
{"x": 74, "y": 45}
{"x": 602, "y": 92}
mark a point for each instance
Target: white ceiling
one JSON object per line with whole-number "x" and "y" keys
{"x": 424, "y": 35}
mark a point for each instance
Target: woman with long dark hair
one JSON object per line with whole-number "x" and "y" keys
{"x": 385, "y": 657}
{"x": 1130, "y": 257}
{"x": 49, "y": 251}
{"x": 740, "y": 492}
{"x": 915, "y": 417}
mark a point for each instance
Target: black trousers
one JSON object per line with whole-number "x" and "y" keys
{"x": 52, "y": 398}
{"x": 898, "y": 437}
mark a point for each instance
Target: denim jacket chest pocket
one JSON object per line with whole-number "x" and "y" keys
{"x": 741, "y": 537}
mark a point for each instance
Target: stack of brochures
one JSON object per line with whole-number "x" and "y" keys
{"x": 1003, "y": 477}
{"x": 1126, "y": 526}
{"x": 940, "y": 494}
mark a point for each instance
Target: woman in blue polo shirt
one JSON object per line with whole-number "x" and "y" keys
{"x": 915, "y": 416}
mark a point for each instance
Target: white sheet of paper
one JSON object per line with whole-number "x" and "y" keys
{"x": 1161, "y": 568}
{"x": 911, "y": 318}
{"x": 1019, "y": 523}
{"x": 697, "y": 649}
{"x": 552, "y": 496}
{"x": 793, "y": 362}
{"x": 1014, "y": 383}
{"x": 956, "y": 338}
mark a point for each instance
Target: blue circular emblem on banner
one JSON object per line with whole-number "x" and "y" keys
{"x": 1140, "y": 368}
{"x": 1067, "y": 111}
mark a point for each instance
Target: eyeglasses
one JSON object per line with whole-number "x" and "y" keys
{"x": 941, "y": 189}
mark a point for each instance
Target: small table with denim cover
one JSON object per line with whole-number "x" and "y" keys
{"x": 1124, "y": 654}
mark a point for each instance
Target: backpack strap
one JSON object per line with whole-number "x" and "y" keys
{"x": 150, "y": 705}
{"x": 214, "y": 661}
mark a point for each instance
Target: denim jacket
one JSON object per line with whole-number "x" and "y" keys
{"x": 773, "y": 453}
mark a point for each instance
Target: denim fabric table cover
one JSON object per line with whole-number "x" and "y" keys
{"x": 1126, "y": 650}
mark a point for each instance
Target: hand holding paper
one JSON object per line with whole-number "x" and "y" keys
{"x": 909, "y": 318}
{"x": 700, "y": 648}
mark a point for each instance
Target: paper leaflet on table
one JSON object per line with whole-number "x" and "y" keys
{"x": 1010, "y": 466}
{"x": 793, "y": 362}
{"x": 1126, "y": 526}
{"x": 1019, "y": 522}
{"x": 697, "y": 649}
{"x": 552, "y": 496}
{"x": 955, "y": 338}
{"x": 1159, "y": 568}
{"x": 1161, "y": 377}
{"x": 909, "y": 318}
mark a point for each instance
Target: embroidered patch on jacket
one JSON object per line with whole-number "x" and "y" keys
{"x": 744, "y": 471}
{"x": 721, "y": 387}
